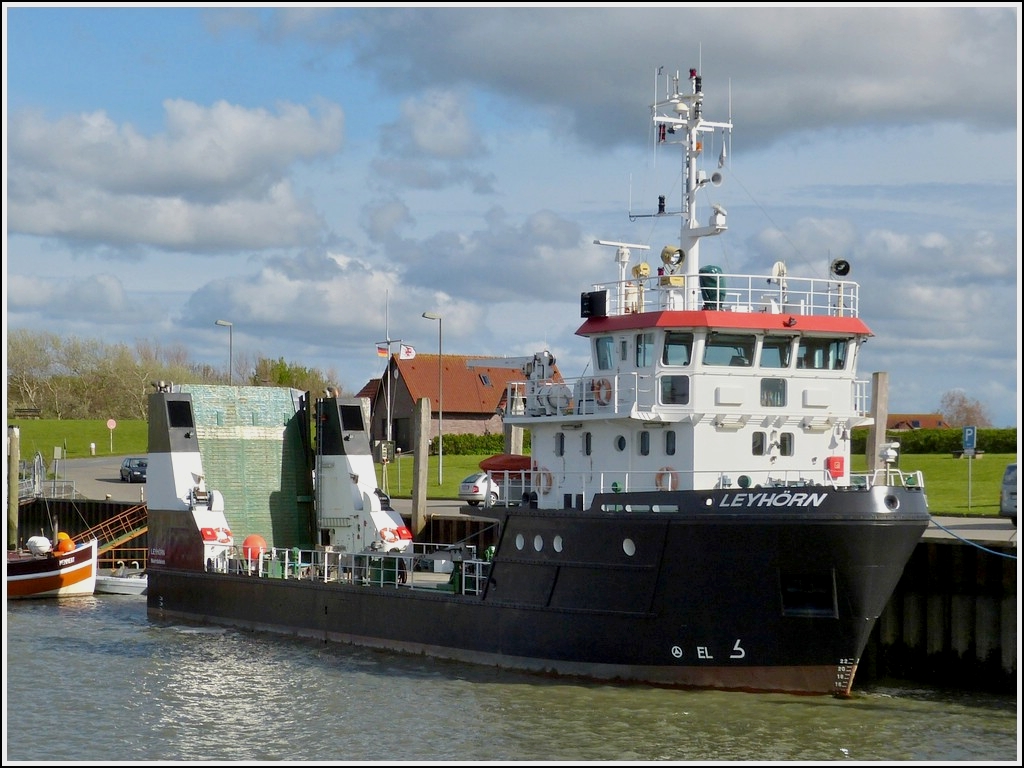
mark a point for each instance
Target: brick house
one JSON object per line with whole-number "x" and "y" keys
{"x": 470, "y": 398}
{"x": 897, "y": 422}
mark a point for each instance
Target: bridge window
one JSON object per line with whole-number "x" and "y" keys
{"x": 604, "y": 346}
{"x": 773, "y": 393}
{"x": 644, "y": 350}
{"x": 729, "y": 349}
{"x": 678, "y": 348}
{"x": 822, "y": 354}
{"x": 675, "y": 390}
{"x": 776, "y": 351}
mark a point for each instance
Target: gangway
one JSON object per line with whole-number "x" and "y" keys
{"x": 117, "y": 530}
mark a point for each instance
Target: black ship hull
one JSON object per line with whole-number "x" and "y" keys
{"x": 768, "y": 598}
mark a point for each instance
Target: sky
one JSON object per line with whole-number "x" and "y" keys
{"x": 320, "y": 177}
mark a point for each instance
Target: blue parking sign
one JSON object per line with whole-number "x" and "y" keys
{"x": 970, "y": 433}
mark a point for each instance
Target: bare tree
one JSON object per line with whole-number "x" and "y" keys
{"x": 959, "y": 410}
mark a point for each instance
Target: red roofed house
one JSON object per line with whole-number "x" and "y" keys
{"x": 470, "y": 396}
{"x": 907, "y": 421}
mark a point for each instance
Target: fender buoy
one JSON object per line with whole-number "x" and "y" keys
{"x": 544, "y": 481}
{"x": 602, "y": 389}
{"x": 667, "y": 479}
{"x": 389, "y": 535}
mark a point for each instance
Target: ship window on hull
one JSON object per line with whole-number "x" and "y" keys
{"x": 645, "y": 443}
{"x": 729, "y": 349}
{"x": 822, "y": 354}
{"x": 179, "y": 414}
{"x": 809, "y": 594}
{"x": 560, "y": 444}
{"x": 644, "y": 350}
{"x": 760, "y": 444}
{"x": 675, "y": 390}
{"x": 351, "y": 418}
{"x": 604, "y": 348}
{"x": 678, "y": 348}
{"x": 773, "y": 393}
{"x": 776, "y": 351}
{"x": 670, "y": 442}
{"x": 588, "y": 441}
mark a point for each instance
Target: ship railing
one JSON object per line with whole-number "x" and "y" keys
{"x": 888, "y": 476}
{"x": 732, "y": 293}
{"x": 625, "y": 393}
{"x": 576, "y": 490}
{"x": 457, "y": 569}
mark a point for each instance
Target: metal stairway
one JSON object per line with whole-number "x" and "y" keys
{"x": 117, "y": 530}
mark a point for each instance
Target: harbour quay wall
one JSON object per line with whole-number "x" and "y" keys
{"x": 952, "y": 620}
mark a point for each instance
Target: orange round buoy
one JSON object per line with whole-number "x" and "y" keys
{"x": 667, "y": 479}
{"x": 65, "y": 545}
{"x": 253, "y": 545}
{"x": 63, "y": 537}
{"x": 602, "y": 389}
{"x": 544, "y": 481}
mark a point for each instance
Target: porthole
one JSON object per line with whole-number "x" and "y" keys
{"x": 629, "y": 547}
{"x": 538, "y": 542}
{"x": 620, "y": 443}
{"x": 520, "y": 542}
{"x": 557, "y": 543}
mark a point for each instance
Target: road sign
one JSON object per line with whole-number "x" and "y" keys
{"x": 970, "y": 438}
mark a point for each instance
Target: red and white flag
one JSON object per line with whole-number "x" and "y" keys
{"x": 406, "y": 352}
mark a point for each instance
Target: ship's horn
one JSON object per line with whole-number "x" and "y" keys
{"x": 840, "y": 267}
{"x": 716, "y": 179}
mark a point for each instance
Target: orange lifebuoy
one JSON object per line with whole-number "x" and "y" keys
{"x": 602, "y": 389}
{"x": 389, "y": 535}
{"x": 667, "y": 479}
{"x": 544, "y": 481}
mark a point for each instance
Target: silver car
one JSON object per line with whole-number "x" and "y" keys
{"x": 1008, "y": 494}
{"x": 478, "y": 487}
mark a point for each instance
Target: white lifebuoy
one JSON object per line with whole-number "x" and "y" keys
{"x": 667, "y": 479}
{"x": 389, "y": 535}
{"x": 544, "y": 481}
{"x": 602, "y": 389}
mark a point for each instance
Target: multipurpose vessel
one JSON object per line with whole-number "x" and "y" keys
{"x": 690, "y": 516}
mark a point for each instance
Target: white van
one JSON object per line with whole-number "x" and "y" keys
{"x": 1008, "y": 494}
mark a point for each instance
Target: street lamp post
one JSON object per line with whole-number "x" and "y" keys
{"x": 231, "y": 351}
{"x": 440, "y": 393}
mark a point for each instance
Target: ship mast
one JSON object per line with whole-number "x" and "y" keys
{"x": 683, "y": 113}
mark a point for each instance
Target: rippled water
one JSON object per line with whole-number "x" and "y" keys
{"x": 95, "y": 679}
